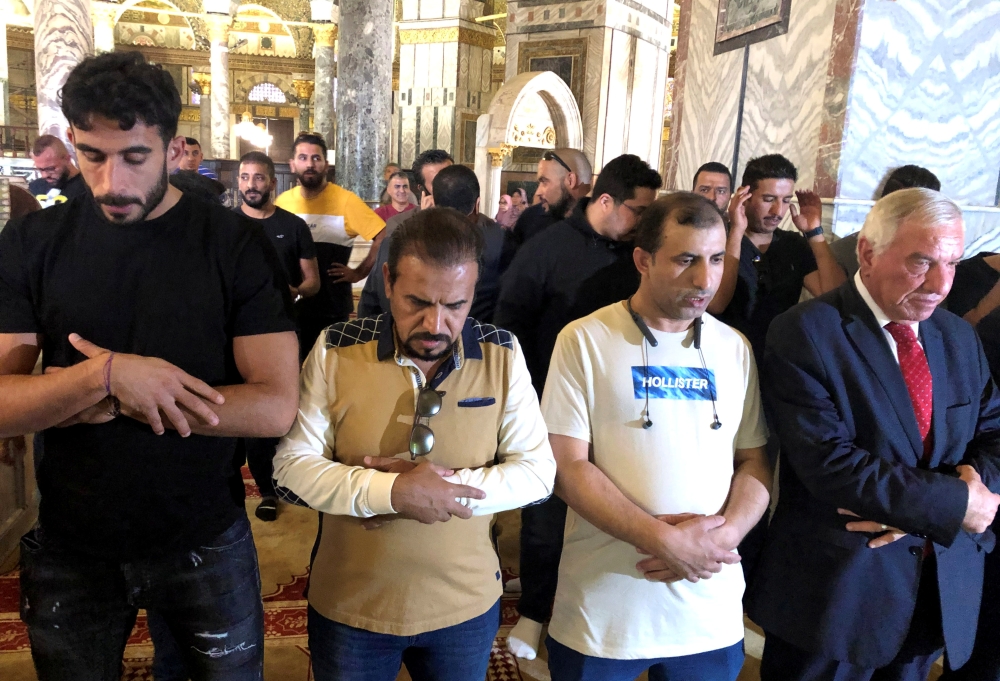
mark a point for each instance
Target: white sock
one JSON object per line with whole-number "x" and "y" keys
{"x": 524, "y": 638}
{"x": 513, "y": 586}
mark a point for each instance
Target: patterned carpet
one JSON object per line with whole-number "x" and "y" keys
{"x": 283, "y": 547}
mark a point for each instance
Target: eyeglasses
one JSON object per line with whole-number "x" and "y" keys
{"x": 553, "y": 156}
{"x": 636, "y": 210}
{"x": 421, "y": 436}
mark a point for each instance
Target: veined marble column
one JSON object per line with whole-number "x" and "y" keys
{"x": 203, "y": 86}
{"x": 104, "y": 15}
{"x": 326, "y": 70}
{"x": 303, "y": 91}
{"x": 64, "y": 36}
{"x": 364, "y": 91}
{"x": 218, "y": 32}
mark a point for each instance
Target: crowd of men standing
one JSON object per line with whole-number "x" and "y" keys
{"x": 593, "y": 361}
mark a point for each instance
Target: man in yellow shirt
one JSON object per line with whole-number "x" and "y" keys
{"x": 335, "y": 217}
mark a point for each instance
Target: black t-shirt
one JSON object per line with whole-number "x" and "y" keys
{"x": 973, "y": 280}
{"x": 291, "y": 238}
{"x": 67, "y": 190}
{"x": 180, "y": 288}
{"x": 769, "y": 283}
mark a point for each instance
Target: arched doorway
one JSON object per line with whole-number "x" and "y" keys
{"x": 533, "y": 109}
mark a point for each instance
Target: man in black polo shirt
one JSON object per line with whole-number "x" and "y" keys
{"x": 570, "y": 270}
{"x": 291, "y": 238}
{"x": 140, "y": 300}
{"x": 766, "y": 267}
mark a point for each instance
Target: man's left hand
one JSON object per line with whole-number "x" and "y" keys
{"x": 656, "y": 569}
{"x": 387, "y": 464}
{"x": 809, "y": 214}
{"x": 890, "y": 534}
{"x": 340, "y": 273}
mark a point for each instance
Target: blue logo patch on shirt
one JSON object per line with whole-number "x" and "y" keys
{"x": 673, "y": 383}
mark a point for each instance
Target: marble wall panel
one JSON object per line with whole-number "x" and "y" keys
{"x": 445, "y": 137}
{"x": 681, "y": 56}
{"x": 435, "y": 64}
{"x": 638, "y": 132}
{"x": 486, "y": 74}
{"x": 450, "y": 76}
{"x": 475, "y": 68}
{"x": 431, "y": 9}
{"x": 786, "y": 84}
{"x": 592, "y": 112}
{"x": 656, "y": 124}
{"x": 452, "y": 8}
{"x": 619, "y": 76}
{"x": 926, "y": 90}
{"x": 426, "y": 132}
{"x": 463, "y": 66}
{"x": 421, "y": 59}
{"x": 411, "y": 10}
{"x": 409, "y": 137}
{"x": 406, "y": 66}
{"x": 707, "y": 130}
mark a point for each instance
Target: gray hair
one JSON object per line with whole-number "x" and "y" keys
{"x": 931, "y": 208}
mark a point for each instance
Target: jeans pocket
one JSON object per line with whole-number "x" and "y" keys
{"x": 237, "y": 533}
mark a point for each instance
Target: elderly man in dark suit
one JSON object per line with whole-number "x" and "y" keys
{"x": 890, "y": 430}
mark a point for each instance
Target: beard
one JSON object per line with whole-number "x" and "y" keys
{"x": 310, "y": 179}
{"x": 559, "y": 209}
{"x": 412, "y": 352}
{"x": 259, "y": 202}
{"x": 148, "y": 203}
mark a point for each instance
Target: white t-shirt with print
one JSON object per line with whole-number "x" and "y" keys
{"x": 596, "y": 391}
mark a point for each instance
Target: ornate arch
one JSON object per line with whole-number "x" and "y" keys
{"x": 518, "y": 93}
{"x": 284, "y": 83}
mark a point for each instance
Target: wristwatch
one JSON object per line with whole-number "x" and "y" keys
{"x": 813, "y": 232}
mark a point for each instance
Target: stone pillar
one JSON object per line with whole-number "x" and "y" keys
{"x": 218, "y": 33}
{"x": 4, "y": 71}
{"x": 303, "y": 91}
{"x": 326, "y": 71}
{"x": 104, "y": 15}
{"x": 364, "y": 89}
{"x": 64, "y": 36}
{"x": 202, "y": 84}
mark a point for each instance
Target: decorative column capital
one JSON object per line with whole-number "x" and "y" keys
{"x": 325, "y": 34}
{"x": 497, "y": 154}
{"x": 303, "y": 90}
{"x": 104, "y": 13}
{"x": 202, "y": 83}
{"x": 218, "y": 28}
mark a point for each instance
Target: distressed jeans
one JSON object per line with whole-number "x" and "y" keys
{"x": 80, "y": 610}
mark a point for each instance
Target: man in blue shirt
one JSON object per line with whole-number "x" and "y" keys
{"x": 193, "y": 157}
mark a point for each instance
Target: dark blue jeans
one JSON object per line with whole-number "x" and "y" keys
{"x": 542, "y": 529}
{"x": 80, "y": 610}
{"x": 458, "y": 653}
{"x": 566, "y": 664}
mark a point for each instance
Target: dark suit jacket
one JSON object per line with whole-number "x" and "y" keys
{"x": 849, "y": 439}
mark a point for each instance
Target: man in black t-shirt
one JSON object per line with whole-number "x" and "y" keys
{"x": 293, "y": 241}
{"x": 165, "y": 334}
{"x": 59, "y": 179}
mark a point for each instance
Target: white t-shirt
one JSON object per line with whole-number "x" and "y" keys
{"x": 595, "y": 392}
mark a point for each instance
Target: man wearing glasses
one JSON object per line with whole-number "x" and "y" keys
{"x": 406, "y": 420}
{"x": 573, "y": 268}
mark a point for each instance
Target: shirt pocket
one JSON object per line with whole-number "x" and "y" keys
{"x": 472, "y": 402}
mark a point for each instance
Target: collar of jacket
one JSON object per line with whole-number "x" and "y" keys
{"x": 578, "y": 221}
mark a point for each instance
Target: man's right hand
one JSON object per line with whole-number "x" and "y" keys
{"x": 983, "y": 503}
{"x": 689, "y": 550}
{"x": 421, "y": 494}
{"x": 738, "y": 210}
{"x": 146, "y": 386}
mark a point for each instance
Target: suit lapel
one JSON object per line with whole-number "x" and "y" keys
{"x": 933, "y": 342}
{"x": 863, "y": 330}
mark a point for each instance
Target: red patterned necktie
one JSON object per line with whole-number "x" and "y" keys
{"x": 916, "y": 373}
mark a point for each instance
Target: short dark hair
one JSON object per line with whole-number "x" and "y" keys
{"x": 907, "y": 177}
{"x": 769, "y": 167}
{"x": 192, "y": 142}
{"x": 123, "y": 87}
{"x": 204, "y": 188}
{"x": 47, "y": 142}
{"x": 712, "y": 167}
{"x": 456, "y": 187}
{"x": 310, "y": 138}
{"x": 439, "y": 236}
{"x": 621, "y": 176}
{"x": 400, "y": 173}
{"x": 684, "y": 208}
{"x": 429, "y": 157}
{"x": 259, "y": 158}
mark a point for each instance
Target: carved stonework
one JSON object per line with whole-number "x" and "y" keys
{"x": 202, "y": 83}
{"x": 529, "y": 136}
{"x": 497, "y": 154}
{"x": 450, "y": 34}
{"x": 303, "y": 90}
{"x": 191, "y": 114}
{"x": 325, "y": 34}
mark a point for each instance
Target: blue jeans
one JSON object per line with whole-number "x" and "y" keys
{"x": 457, "y": 653}
{"x": 80, "y": 610}
{"x": 565, "y": 664}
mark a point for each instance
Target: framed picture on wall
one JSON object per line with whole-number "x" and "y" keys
{"x": 566, "y": 58}
{"x": 744, "y": 22}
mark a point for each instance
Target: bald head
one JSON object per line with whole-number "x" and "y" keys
{"x": 52, "y": 159}
{"x": 580, "y": 165}
{"x": 564, "y": 177}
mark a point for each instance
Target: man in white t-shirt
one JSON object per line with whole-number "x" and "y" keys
{"x": 654, "y": 416}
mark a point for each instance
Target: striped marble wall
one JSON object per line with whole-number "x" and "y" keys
{"x": 926, "y": 90}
